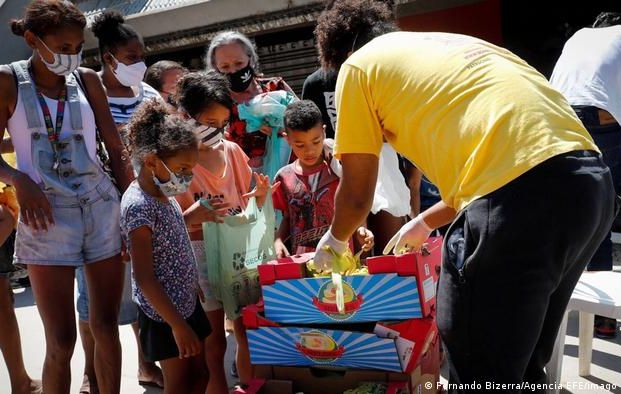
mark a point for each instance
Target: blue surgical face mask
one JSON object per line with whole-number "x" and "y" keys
{"x": 63, "y": 64}
{"x": 177, "y": 184}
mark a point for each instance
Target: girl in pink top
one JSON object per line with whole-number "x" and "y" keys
{"x": 223, "y": 177}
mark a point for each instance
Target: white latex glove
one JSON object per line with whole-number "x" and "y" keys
{"x": 323, "y": 259}
{"x": 410, "y": 237}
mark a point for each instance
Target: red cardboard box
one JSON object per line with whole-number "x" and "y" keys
{"x": 321, "y": 381}
{"x": 396, "y": 346}
{"x": 397, "y": 288}
{"x": 414, "y": 339}
{"x": 420, "y": 264}
{"x": 291, "y": 267}
{"x": 424, "y": 378}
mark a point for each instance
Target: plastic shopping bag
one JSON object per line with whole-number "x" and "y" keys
{"x": 269, "y": 109}
{"x": 391, "y": 193}
{"x": 234, "y": 249}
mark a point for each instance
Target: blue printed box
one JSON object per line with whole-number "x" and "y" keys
{"x": 368, "y": 298}
{"x": 393, "y": 347}
{"x": 303, "y": 347}
{"x": 396, "y": 288}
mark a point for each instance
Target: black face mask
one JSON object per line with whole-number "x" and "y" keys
{"x": 241, "y": 79}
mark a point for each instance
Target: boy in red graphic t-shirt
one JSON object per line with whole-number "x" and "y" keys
{"x": 308, "y": 185}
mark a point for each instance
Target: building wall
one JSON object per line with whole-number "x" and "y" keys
{"x": 482, "y": 19}
{"x": 13, "y": 48}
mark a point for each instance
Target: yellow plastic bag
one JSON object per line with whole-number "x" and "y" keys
{"x": 342, "y": 264}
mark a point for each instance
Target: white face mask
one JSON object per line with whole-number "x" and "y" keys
{"x": 177, "y": 184}
{"x": 63, "y": 64}
{"x": 131, "y": 75}
{"x": 210, "y": 136}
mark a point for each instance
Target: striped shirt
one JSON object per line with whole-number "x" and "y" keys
{"x": 122, "y": 108}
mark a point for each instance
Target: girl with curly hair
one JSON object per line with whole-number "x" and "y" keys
{"x": 173, "y": 326}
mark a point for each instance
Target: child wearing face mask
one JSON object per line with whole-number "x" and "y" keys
{"x": 172, "y": 323}
{"x": 123, "y": 68}
{"x": 222, "y": 177}
{"x": 122, "y": 53}
{"x": 164, "y": 76}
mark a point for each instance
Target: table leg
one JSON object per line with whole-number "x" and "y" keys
{"x": 585, "y": 347}
{"x": 554, "y": 367}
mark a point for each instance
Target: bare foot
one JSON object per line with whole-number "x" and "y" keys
{"x": 87, "y": 388}
{"x": 150, "y": 375}
{"x": 32, "y": 386}
{"x": 36, "y": 386}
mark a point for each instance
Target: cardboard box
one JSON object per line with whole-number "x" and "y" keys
{"x": 384, "y": 346}
{"x": 397, "y": 288}
{"x": 321, "y": 381}
{"x": 266, "y": 386}
{"x": 424, "y": 378}
{"x": 423, "y": 265}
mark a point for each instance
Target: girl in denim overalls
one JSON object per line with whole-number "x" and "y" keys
{"x": 69, "y": 209}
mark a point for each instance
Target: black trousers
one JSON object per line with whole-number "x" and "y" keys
{"x": 608, "y": 140}
{"x": 510, "y": 263}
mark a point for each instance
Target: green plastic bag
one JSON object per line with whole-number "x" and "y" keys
{"x": 234, "y": 249}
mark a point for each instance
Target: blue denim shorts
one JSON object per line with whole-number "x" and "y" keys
{"x": 86, "y": 230}
{"x": 128, "y": 313}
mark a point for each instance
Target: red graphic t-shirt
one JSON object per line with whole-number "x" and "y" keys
{"x": 308, "y": 199}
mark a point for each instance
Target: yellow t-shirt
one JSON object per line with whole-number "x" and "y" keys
{"x": 472, "y": 116}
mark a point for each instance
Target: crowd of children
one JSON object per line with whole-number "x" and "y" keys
{"x": 114, "y": 179}
{"x": 191, "y": 162}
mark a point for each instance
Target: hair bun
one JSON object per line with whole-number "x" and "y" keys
{"x": 18, "y": 27}
{"x": 105, "y": 22}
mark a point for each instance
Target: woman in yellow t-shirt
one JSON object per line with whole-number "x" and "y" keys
{"x": 522, "y": 182}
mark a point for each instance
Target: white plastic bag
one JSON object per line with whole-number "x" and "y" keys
{"x": 391, "y": 193}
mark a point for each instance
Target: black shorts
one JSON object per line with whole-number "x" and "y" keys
{"x": 157, "y": 340}
{"x": 6, "y": 256}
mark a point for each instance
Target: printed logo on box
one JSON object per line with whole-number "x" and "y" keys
{"x": 325, "y": 301}
{"x": 319, "y": 347}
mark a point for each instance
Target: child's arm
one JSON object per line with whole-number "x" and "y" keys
{"x": 283, "y": 232}
{"x": 365, "y": 238}
{"x": 121, "y": 170}
{"x": 140, "y": 241}
{"x": 261, "y": 189}
{"x": 198, "y": 213}
{"x": 414, "y": 180}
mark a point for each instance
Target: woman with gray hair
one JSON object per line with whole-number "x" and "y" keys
{"x": 233, "y": 54}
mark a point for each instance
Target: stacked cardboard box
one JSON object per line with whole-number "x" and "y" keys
{"x": 387, "y": 332}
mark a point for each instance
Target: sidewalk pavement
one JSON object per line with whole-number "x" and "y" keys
{"x": 606, "y": 364}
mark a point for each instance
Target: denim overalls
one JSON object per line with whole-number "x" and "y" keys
{"x": 85, "y": 203}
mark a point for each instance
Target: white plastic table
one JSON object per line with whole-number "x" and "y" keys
{"x": 597, "y": 293}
